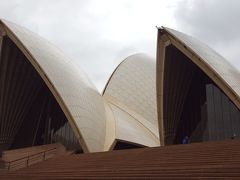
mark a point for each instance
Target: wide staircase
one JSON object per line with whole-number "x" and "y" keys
{"x": 12, "y": 160}
{"x": 209, "y": 160}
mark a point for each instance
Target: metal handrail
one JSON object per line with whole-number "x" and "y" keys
{"x": 29, "y": 156}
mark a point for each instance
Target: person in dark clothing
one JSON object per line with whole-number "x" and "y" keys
{"x": 185, "y": 140}
{"x": 233, "y": 136}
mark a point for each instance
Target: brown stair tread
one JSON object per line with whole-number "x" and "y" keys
{"x": 208, "y": 160}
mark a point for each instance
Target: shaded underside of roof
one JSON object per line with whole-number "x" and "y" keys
{"x": 213, "y": 64}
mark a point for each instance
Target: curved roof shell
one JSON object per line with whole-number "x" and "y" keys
{"x": 131, "y": 92}
{"x": 76, "y": 95}
{"x": 130, "y": 127}
{"x": 209, "y": 61}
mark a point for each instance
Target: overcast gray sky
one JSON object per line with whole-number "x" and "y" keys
{"x": 98, "y": 35}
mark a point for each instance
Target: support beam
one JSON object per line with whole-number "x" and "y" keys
{"x": 2, "y": 34}
{"x": 162, "y": 43}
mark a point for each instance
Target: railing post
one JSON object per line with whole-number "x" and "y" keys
{"x": 27, "y": 161}
{"x": 9, "y": 163}
{"x": 44, "y": 155}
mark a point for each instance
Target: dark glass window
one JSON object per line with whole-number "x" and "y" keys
{"x": 223, "y": 115}
{"x": 125, "y": 145}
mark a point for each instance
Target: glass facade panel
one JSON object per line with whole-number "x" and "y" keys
{"x": 223, "y": 115}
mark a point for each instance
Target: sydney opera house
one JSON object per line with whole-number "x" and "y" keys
{"x": 45, "y": 99}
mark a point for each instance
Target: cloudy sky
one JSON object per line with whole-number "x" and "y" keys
{"x": 97, "y": 35}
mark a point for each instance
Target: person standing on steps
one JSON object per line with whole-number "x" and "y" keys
{"x": 233, "y": 136}
{"x": 185, "y": 140}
